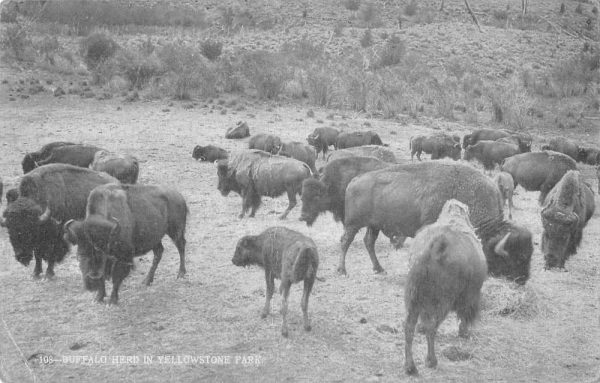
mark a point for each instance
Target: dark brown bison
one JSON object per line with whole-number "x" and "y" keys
{"x": 524, "y": 140}
{"x": 400, "y": 199}
{"x": 447, "y": 270}
{"x": 376, "y": 151}
{"x": 438, "y": 145}
{"x": 123, "y": 167}
{"x": 506, "y": 184}
{"x": 300, "y": 152}
{"x": 286, "y": 255}
{"x": 327, "y": 193}
{"x": 30, "y": 160}
{"x": 265, "y": 142}
{"x": 563, "y": 145}
{"x": 322, "y": 139}
{"x": 209, "y": 153}
{"x": 77, "y": 154}
{"x": 590, "y": 156}
{"x": 567, "y": 209}
{"x": 255, "y": 173}
{"x": 123, "y": 222}
{"x": 47, "y": 197}
{"x": 490, "y": 153}
{"x": 538, "y": 170}
{"x": 241, "y": 130}
{"x": 349, "y": 140}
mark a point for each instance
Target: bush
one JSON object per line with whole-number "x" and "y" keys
{"x": 369, "y": 15}
{"x": 267, "y": 72}
{"x": 511, "y": 103}
{"x": 139, "y": 70}
{"x": 352, "y": 5}
{"x": 321, "y": 83}
{"x": 411, "y": 8}
{"x": 367, "y": 39}
{"x": 96, "y": 49}
{"x": 188, "y": 72}
{"x": 392, "y": 52}
{"x": 211, "y": 49}
{"x": 229, "y": 76}
{"x": 303, "y": 51}
{"x": 15, "y": 39}
{"x": 47, "y": 48}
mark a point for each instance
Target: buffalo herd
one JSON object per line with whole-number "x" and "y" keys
{"x": 84, "y": 195}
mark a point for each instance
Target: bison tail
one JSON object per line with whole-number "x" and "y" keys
{"x": 305, "y": 265}
{"x": 410, "y": 143}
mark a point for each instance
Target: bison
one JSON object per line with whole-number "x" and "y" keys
{"x": 255, "y": 173}
{"x": 241, "y": 130}
{"x": 30, "y": 160}
{"x": 123, "y": 167}
{"x": 400, "y": 199}
{"x": 538, "y": 170}
{"x": 327, "y": 194}
{"x": 286, "y": 255}
{"x": 48, "y": 196}
{"x": 265, "y": 142}
{"x": 300, "y": 152}
{"x": 567, "y": 209}
{"x": 379, "y": 152}
{"x": 349, "y": 140}
{"x": 209, "y": 153}
{"x": 447, "y": 270}
{"x": 123, "y": 222}
{"x": 490, "y": 153}
{"x": 590, "y": 156}
{"x": 438, "y": 145}
{"x": 12, "y": 195}
{"x": 322, "y": 139}
{"x": 77, "y": 154}
{"x": 523, "y": 140}
{"x": 562, "y": 145}
{"x": 506, "y": 184}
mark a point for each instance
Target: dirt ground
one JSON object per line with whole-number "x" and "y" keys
{"x": 546, "y": 331}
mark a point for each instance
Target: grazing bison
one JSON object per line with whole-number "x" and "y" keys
{"x": 286, "y": 255}
{"x": 209, "y": 153}
{"x": 447, "y": 270}
{"x": 349, "y": 140}
{"x": 241, "y": 130}
{"x": 590, "y": 156}
{"x": 48, "y": 196}
{"x": 400, "y": 199}
{"x": 562, "y": 145}
{"x": 438, "y": 145}
{"x": 300, "y": 152}
{"x": 490, "y": 153}
{"x": 30, "y": 160}
{"x": 123, "y": 222}
{"x": 538, "y": 170}
{"x": 567, "y": 209}
{"x": 265, "y": 142}
{"x": 123, "y": 167}
{"x": 77, "y": 154}
{"x": 506, "y": 184}
{"x": 379, "y": 152}
{"x": 255, "y": 173}
{"x": 327, "y": 193}
{"x": 322, "y": 139}
{"x": 523, "y": 140}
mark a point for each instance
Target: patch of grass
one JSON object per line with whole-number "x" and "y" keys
{"x": 411, "y": 8}
{"x": 352, "y": 5}
{"x": 392, "y": 52}
{"x": 15, "y": 39}
{"x": 367, "y": 38}
{"x": 368, "y": 14}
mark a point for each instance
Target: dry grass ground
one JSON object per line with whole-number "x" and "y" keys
{"x": 546, "y": 331}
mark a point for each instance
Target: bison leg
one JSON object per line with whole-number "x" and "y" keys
{"x": 291, "y": 193}
{"x": 37, "y": 270}
{"x": 285, "y": 291}
{"x": 270, "y": 279}
{"x": 180, "y": 244}
{"x": 409, "y": 333}
{"x": 544, "y": 190}
{"x": 419, "y": 155}
{"x": 346, "y": 240}
{"x": 510, "y": 204}
{"x": 369, "y": 240}
{"x": 308, "y": 284}
{"x": 431, "y": 324}
{"x": 101, "y": 292}
{"x": 50, "y": 270}
{"x": 120, "y": 271}
{"x": 158, "y": 251}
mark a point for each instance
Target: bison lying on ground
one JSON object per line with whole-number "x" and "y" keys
{"x": 438, "y": 145}
{"x": 123, "y": 167}
{"x": 123, "y": 222}
{"x": 48, "y": 196}
{"x": 447, "y": 270}
{"x": 300, "y": 152}
{"x": 283, "y": 254}
{"x": 30, "y": 160}
{"x": 523, "y": 140}
{"x": 349, "y": 140}
{"x": 505, "y": 183}
{"x": 376, "y": 151}
{"x": 322, "y": 139}
{"x": 255, "y": 173}
{"x": 77, "y": 154}
{"x": 568, "y": 208}
{"x": 490, "y": 153}
{"x": 241, "y": 130}
{"x": 538, "y": 170}
{"x": 400, "y": 199}
{"x": 562, "y": 145}
{"x": 265, "y": 142}
{"x": 209, "y": 153}
{"x": 327, "y": 193}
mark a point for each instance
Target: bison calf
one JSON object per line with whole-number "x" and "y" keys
{"x": 286, "y": 255}
{"x": 209, "y": 153}
{"x": 241, "y": 130}
{"x": 447, "y": 272}
{"x": 506, "y": 184}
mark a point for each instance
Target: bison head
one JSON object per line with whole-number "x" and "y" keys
{"x": 582, "y": 154}
{"x": 508, "y": 253}
{"x": 469, "y": 153}
{"x": 12, "y": 195}
{"x": 197, "y": 153}
{"x": 466, "y": 140}
{"x": 28, "y": 163}
{"x": 315, "y": 200}
{"x": 31, "y": 229}
{"x": 227, "y": 181}
{"x": 312, "y": 139}
{"x": 246, "y": 252}
{"x": 559, "y": 236}
{"x": 455, "y": 151}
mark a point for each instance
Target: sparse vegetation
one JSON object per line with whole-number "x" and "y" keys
{"x": 411, "y": 8}
{"x": 367, "y": 38}
{"x": 267, "y": 72}
{"x": 211, "y": 49}
{"x": 392, "y": 52}
{"x": 368, "y": 14}
{"x": 352, "y": 5}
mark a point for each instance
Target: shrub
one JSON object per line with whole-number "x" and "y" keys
{"x": 211, "y": 49}
{"x": 511, "y": 104}
{"x": 367, "y": 39}
{"x": 15, "y": 39}
{"x": 392, "y": 52}
{"x": 188, "y": 72}
{"x": 352, "y": 5}
{"x": 369, "y": 15}
{"x": 266, "y": 71}
{"x": 411, "y": 8}
{"x": 139, "y": 70}
{"x": 338, "y": 29}
{"x": 303, "y": 50}
{"x": 47, "y": 48}
{"x": 229, "y": 75}
{"x": 321, "y": 83}
{"x": 97, "y": 48}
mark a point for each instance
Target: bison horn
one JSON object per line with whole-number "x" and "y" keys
{"x": 499, "y": 249}
{"x": 45, "y": 215}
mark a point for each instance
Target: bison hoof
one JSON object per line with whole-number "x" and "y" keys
{"x": 36, "y": 276}
{"x": 411, "y": 369}
{"x": 379, "y": 270}
{"x": 307, "y": 327}
{"x": 431, "y": 363}
{"x": 342, "y": 271}
{"x": 113, "y": 302}
{"x": 241, "y": 216}
{"x": 264, "y": 314}
{"x": 284, "y": 333}
{"x": 147, "y": 281}
{"x": 181, "y": 274}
